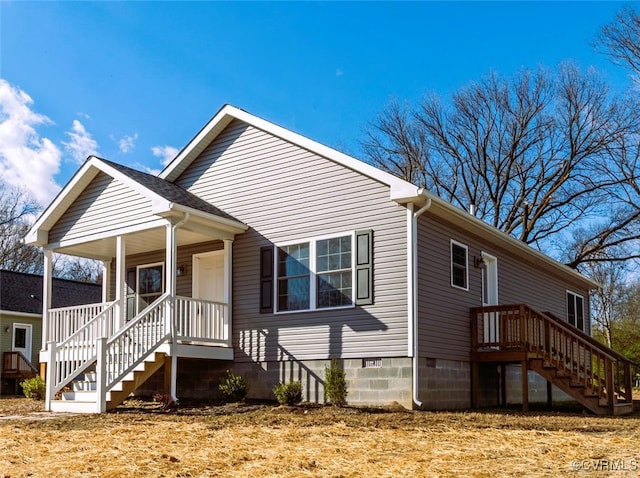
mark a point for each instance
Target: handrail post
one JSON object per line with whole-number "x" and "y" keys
{"x": 628, "y": 390}
{"x": 609, "y": 384}
{"x": 50, "y": 375}
{"x": 523, "y": 324}
{"x": 101, "y": 375}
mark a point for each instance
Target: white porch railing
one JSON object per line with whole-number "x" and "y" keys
{"x": 202, "y": 321}
{"x": 117, "y": 353}
{"x": 62, "y": 323}
{"x": 74, "y": 354}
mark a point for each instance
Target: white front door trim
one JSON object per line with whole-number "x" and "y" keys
{"x": 28, "y": 339}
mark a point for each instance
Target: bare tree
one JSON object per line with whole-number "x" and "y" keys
{"x": 543, "y": 156}
{"x": 17, "y": 210}
{"x": 620, "y": 39}
{"x": 607, "y": 300}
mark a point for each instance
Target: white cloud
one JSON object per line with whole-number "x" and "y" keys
{"x": 27, "y": 160}
{"x": 127, "y": 143}
{"x": 82, "y": 144}
{"x": 167, "y": 153}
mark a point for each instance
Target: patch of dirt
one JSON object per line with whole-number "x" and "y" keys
{"x": 198, "y": 439}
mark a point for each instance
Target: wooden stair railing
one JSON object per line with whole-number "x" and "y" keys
{"x": 16, "y": 366}
{"x": 592, "y": 366}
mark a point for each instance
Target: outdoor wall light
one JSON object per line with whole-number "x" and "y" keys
{"x": 181, "y": 270}
{"x": 478, "y": 261}
{"x": 6, "y": 329}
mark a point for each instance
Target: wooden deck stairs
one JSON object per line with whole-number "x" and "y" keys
{"x": 594, "y": 375}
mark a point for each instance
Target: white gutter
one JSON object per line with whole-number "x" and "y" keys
{"x": 412, "y": 275}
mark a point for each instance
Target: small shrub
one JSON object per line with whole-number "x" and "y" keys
{"x": 34, "y": 388}
{"x": 335, "y": 384}
{"x": 234, "y": 387}
{"x": 288, "y": 393}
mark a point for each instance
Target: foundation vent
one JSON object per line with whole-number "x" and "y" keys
{"x": 372, "y": 363}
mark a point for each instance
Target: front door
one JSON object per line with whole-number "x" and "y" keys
{"x": 21, "y": 342}
{"x": 208, "y": 276}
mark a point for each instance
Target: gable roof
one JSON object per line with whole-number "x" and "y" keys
{"x": 165, "y": 196}
{"x": 217, "y": 124}
{"x": 401, "y": 191}
{"x": 20, "y": 292}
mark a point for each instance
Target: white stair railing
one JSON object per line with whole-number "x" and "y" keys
{"x": 63, "y": 322}
{"x": 72, "y": 356}
{"x": 133, "y": 343}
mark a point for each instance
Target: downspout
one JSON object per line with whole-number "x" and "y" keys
{"x": 172, "y": 292}
{"x": 413, "y": 289}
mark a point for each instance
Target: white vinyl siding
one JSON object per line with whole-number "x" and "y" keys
{"x": 105, "y": 205}
{"x": 257, "y": 178}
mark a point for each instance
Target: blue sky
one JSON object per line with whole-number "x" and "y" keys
{"x": 135, "y": 81}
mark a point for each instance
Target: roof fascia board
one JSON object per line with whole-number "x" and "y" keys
{"x": 25, "y": 315}
{"x": 228, "y": 113}
{"x": 166, "y": 209}
{"x": 38, "y": 234}
{"x": 39, "y": 231}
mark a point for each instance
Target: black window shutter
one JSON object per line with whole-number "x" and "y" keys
{"x": 364, "y": 267}
{"x": 266, "y": 280}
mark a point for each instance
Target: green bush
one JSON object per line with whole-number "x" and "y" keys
{"x": 288, "y": 393}
{"x": 234, "y": 387}
{"x": 34, "y": 388}
{"x": 335, "y": 384}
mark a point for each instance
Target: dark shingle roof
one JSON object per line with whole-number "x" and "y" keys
{"x": 21, "y": 292}
{"x": 169, "y": 191}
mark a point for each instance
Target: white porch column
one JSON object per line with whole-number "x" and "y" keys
{"x": 106, "y": 279}
{"x": 170, "y": 269}
{"x": 121, "y": 270}
{"x": 228, "y": 286}
{"x": 172, "y": 253}
{"x": 47, "y": 282}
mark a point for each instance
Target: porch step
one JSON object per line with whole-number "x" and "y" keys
{"x": 82, "y": 398}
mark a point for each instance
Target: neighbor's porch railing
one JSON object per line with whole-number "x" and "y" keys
{"x": 520, "y": 327}
{"x": 62, "y": 323}
{"x": 16, "y": 365}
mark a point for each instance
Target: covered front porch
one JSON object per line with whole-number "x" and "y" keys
{"x": 166, "y": 294}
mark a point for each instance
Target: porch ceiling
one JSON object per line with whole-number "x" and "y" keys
{"x": 136, "y": 243}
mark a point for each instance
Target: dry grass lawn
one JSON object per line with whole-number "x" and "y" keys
{"x": 267, "y": 441}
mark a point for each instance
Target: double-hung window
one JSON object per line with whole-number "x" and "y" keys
{"x": 575, "y": 310}
{"x": 334, "y": 276}
{"x": 459, "y": 265}
{"x": 294, "y": 277}
{"x": 317, "y": 274}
